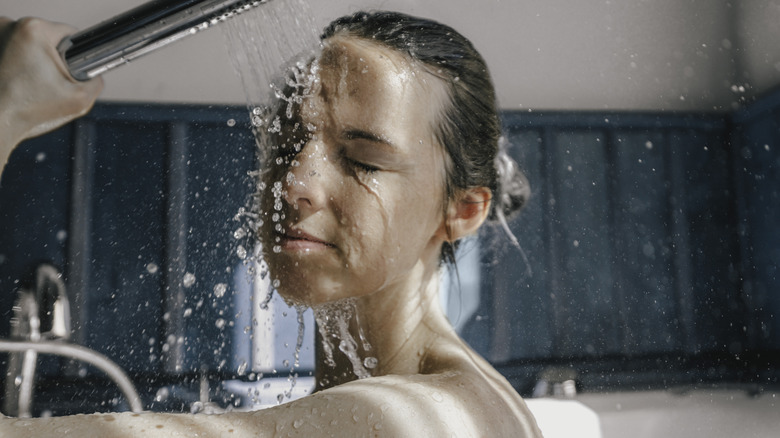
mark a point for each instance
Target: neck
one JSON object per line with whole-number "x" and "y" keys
{"x": 395, "y": 326}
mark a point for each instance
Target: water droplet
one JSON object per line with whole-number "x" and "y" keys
{"x": 162, "y": 394}
{"x": 219, "y": 290}
{"x": 240, "y": 233}
{"x": 152, "y": 268}
{"x": 436, "y": 396}
{"x": 188, "y": 280}
{"x": 241, "y": 252}
{"x": 220, "y": 323}
{"x": 370, "y": 362}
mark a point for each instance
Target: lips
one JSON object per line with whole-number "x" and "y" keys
{"x": 295, "y": 239}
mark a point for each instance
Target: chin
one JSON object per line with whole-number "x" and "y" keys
{"x": 299, "y": 289}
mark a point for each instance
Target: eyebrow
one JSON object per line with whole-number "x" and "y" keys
{"x": 359, "y": 134}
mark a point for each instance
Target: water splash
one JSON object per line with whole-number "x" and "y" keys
{"x": 333, "y": 320}
{"x": 262, "y": 43}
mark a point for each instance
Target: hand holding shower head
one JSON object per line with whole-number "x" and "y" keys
{"x": 150, "y": 26}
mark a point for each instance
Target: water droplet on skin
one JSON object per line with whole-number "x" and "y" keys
{"x": 240, "y": 233}
{"x": 370, "y": 362}
{"x": 151, "y": 268}
{"x": 220, "y": 323}
{"x": 241, "y": 252}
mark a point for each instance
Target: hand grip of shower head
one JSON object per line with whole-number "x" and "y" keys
{"x": 150, "y": 26}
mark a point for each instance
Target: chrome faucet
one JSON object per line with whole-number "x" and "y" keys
{"x": 41, "y": 324}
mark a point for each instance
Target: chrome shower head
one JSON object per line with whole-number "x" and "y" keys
{"x": 150, "y": 26}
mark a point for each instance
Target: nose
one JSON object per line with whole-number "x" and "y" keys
{"x": 305, "y": 182}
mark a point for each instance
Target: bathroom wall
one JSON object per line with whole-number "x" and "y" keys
{"x": 544, "y": 54}
{"x": 757, "y": 32}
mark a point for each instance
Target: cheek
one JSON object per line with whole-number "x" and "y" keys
{"x": 400, "y": 223}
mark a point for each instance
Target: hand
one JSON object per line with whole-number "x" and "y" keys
{"x": 37, "y": 93}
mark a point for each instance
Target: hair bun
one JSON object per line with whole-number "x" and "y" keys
{"x": 512, "y": 190}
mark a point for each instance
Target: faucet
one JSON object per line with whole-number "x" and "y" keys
{"x": 41, "y": 324}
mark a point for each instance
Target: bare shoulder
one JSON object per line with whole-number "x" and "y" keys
{"x": 445, "y": 404}
{"x": 432, "y": 405}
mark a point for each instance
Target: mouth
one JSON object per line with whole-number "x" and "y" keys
{"x": 298, "y": 240}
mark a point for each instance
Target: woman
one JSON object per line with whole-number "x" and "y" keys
{"x": 382, "y": 158}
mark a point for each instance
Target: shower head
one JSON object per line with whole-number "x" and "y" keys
{"x": 95, "y": 50}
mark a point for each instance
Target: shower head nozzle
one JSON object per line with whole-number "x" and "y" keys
{"x": 95, "y": 50}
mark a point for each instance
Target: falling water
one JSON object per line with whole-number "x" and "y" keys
{"x": 265, "y": 41}
{"x": 268, "y": 45}
{"x": 333, "y": 321}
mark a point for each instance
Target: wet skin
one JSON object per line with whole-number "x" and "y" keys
{"x": 363, "y": 200}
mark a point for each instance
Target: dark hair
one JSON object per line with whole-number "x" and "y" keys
{"x": 469, "y": 127}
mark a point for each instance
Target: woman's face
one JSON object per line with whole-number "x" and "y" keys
{"x": 362, "y": 203}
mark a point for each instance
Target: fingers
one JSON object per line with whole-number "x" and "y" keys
{"x": 41, "y": 93}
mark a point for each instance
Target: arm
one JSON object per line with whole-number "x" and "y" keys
{"x": 37, "y": 93}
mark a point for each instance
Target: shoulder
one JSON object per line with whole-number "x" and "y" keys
{"x": 430, "y": 405}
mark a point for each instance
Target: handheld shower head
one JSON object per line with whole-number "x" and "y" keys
{"x": 150, "y": 26}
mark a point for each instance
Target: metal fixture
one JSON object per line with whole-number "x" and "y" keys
{"x": 556, "y": 382}
{"x": 141, "y": 30}
{"x": 41, "y": 325}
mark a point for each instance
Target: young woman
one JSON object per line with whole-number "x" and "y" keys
{"x": 383, "y": 160}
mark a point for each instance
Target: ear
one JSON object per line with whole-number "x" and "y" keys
{"x": 467, "y": 213}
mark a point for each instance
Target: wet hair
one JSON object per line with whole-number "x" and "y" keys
{"x": 469, "y": 128}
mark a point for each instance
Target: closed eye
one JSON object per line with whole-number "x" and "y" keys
{"x": 358, "y": 165}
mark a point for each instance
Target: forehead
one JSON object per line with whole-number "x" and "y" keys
{"x": 371, "y": 84}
